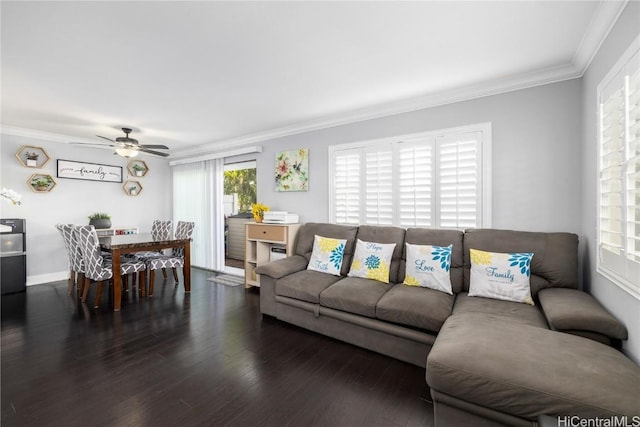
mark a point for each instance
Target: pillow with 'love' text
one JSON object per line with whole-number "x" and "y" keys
{"x": 428, "y": 266}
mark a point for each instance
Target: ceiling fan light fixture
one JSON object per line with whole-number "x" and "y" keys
{"x": 126, "y": 152}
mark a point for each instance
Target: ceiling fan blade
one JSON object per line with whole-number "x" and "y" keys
{"x": 164, "y": 147}
{"x": 88, "y": 144}
{"x": 157, "y": 153}
{"x": 104, "y": 137}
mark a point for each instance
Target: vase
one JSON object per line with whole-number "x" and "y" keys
{"x": 258, "y": 219}
{"x": 100, "y": 223}
{"x": 32, "y": 162}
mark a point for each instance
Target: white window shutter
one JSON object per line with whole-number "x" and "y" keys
{"x": 619, "y": 173}
{"x": 347, "y": 186}
{"x": 415, "y": 180}
{"x": 458, "y": 180}
{"x": 378, "y": 186}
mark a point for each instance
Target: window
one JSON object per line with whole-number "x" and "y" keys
{"x": 436, "y": 179}
{"x": 619, "y": 173}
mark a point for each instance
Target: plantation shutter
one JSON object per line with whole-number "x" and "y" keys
{"x": 459, "y": 180}
{"x": 619, "y": 176}
{"x": 379, "y": 186}
{"x": 415, "y": 179}
{"x": 347, "y": 186}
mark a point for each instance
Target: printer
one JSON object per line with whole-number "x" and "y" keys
{"x": 280, "y": 217}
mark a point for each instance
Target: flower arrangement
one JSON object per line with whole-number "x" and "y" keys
{"x": 11, "y": 196}
{"x": 258, "y": 210}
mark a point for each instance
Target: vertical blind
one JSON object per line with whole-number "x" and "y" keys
{"x": 619, "y": 174}
{"x": 197, "y": 197}
{"x": 431, "y": 180}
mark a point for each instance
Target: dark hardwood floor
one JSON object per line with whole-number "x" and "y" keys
{"x": 208, "y": 358}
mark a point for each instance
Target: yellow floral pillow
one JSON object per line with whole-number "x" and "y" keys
{"x": 327, "y": 255}
{"x": 372, "y": 260}
{"x": 502, "y": 276}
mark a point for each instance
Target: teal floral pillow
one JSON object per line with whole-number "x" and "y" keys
{"x": 327, "y": 255}
{"x": 502, "y": 276}
{"x": 372, "y": 260}
{"x": 428, "y": 267}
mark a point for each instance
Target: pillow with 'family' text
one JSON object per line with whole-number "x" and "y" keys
{"x": 428, "y": 267}
{"x": 327, "y": 255}
{"x": 502, "y": 276}
{"x": 372, "y": 260}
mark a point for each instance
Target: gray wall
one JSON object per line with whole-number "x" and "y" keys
{"x": 71, "y": 201}
{"x": 535, "y": 169}
{"x": 616, "y": 300}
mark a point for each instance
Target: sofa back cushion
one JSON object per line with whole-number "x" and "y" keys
{"x": 428, "y": 236}
{"x": 307, "y": 232}
{"x": 385, "y": 234}
{"x": 555, "y": 255}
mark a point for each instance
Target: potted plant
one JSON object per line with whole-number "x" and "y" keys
{"x": 41, "y": 182}
{"x": 133, "y": 190}
{"x": 100, "y": 220}
{"x": 138, "y": 169}
{"x": 32, "y": 158}
{"x": 258, "y": 210}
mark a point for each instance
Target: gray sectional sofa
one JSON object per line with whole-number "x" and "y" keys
{"x": 488, "y": 361}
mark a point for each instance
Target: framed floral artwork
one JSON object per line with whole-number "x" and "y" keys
{"x": 292, "y": 170}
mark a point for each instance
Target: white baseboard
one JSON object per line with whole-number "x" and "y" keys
{"x": 39, "y": 279}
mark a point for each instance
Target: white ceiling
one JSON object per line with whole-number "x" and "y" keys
{"x": 213, "y": 74}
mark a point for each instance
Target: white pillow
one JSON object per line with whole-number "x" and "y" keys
{"x": 327, "y": 255}
{"x": 428, "y": 267}
{"x": 501, "y": 276}
{"x": 372, "y": 260}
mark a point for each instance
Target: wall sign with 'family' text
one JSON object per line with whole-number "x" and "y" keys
{"x": 89, "y": 171}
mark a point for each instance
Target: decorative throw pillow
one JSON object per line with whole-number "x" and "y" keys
{"x": 428, "y": 267}
{"x": 372, "y": 260}
{"x": 501, "y": 276}
{"x": 327, "y": 255}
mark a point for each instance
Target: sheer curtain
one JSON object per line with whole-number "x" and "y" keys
{"x": 198, "y": 197}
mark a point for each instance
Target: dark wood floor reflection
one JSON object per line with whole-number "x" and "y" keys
{"x": 207, "y": 359}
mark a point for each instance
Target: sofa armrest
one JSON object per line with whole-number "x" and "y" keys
{"x": 283, "y": 267}
{"x": 569, "y": 310}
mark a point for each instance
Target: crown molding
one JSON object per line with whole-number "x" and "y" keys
{"x": 37, "y": 134}
{"x": 486, "y": 88}
{"x": 602, "y": 22}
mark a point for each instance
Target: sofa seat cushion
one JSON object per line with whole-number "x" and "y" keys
{"x": 414, "y": 306}
{"x": 305, "y": 285}
{"x": 505, "y": 311}
{"x": 529, "y": 371}
{"x": 355, "y": 295}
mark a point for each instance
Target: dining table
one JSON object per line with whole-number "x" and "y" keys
{"x": 128, "y": 243}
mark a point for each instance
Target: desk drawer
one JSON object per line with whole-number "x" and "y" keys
{"x": 266, "y": 232}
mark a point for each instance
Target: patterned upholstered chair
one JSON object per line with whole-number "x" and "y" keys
{"x": 98, "y": 270}
{"x": 160, "y": 230}
{"x": 184, "y": 230}
{"x": 76, "y": 269}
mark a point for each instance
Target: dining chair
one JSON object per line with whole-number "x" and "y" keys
{"x": 184, "y": 230}
{"x": 160, "y": 230}
{"x": 76, "y": 269}
{"x": 98, "y": 270}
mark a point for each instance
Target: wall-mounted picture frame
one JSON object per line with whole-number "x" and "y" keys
{"x": 292, "y": 170}
{"x": 89, "y": 171}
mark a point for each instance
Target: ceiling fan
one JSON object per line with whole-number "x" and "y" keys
{"x": 129, "y": 147}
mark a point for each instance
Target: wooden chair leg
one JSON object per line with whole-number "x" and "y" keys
{"x": 80, "y": 282}
{"x": 175, "y": 274}
{"x": 164, "y": 273}
{"x": 142, "y": 283}
{"x": 152, "y": 278}
{"x": 72, "y": 282}
{"x": 96, "y": 304}
{"x": 125, "y": 282}
{"x": 85, "y": 290}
